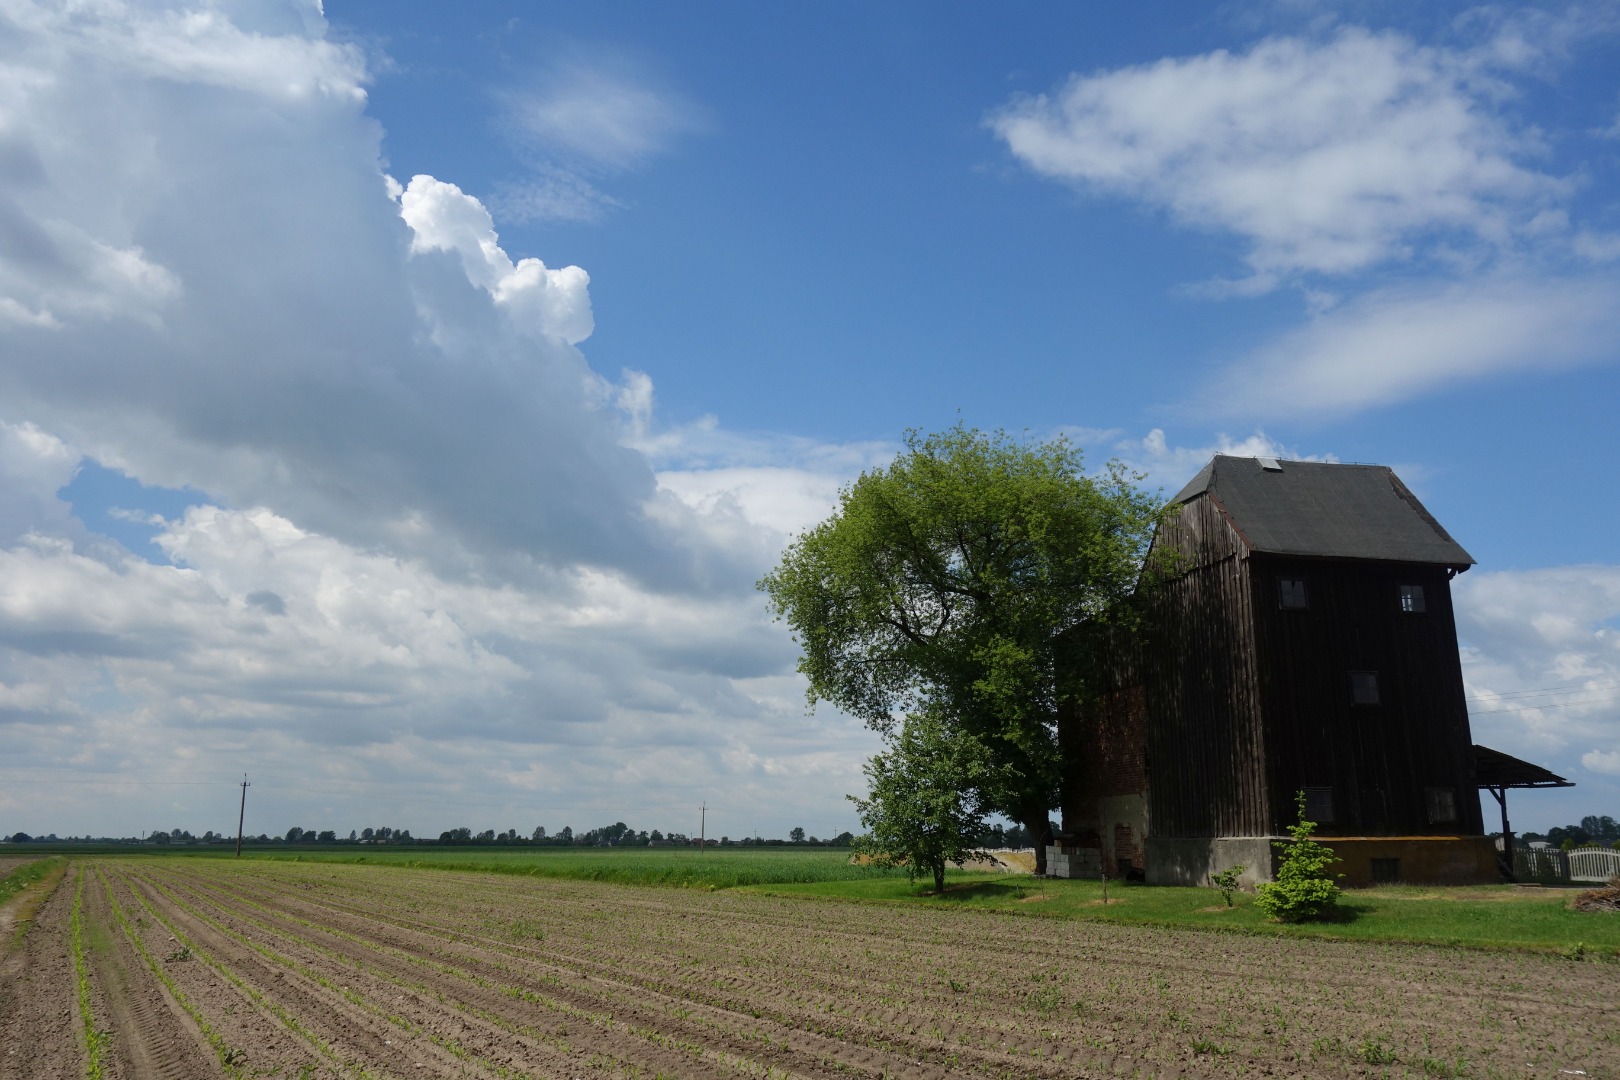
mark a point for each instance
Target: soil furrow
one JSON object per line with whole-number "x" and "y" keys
{"x": 805, "y": 1022}
{"x": 40, "y": 1034}
{"x": 516, "y": 1009}
{"x": 240, "y": 1025}
{"x": 793, "y": 1039}
{"x": 150, "y": 1036}
{"x": 573, "y": 978}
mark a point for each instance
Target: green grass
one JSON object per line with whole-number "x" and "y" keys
{"x": 21, "y": 878}
{"x": 24, "y": 876}
{"x": 1491, "y": 917}
{"x": 722, "y": 868}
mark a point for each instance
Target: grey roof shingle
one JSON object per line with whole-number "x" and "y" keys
{"x": 1314, "y": 508}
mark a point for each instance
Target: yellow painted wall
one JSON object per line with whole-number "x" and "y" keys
{"x": 1425, "y": 860}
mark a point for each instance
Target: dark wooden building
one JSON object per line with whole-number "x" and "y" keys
{"x": 1300, "y": 638}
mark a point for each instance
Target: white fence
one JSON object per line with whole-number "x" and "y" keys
{"x": 1593, "y": 864}
{"x": 1550, "y": 864}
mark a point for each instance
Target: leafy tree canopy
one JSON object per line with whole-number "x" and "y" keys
{"x": 922, "y": 811}
{"x": 952, "y": 581}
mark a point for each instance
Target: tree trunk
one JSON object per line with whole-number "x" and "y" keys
{"x": 939, "y": 876}
{"x": 1039, "y": 826}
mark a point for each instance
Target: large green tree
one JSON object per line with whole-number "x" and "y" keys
{"x": 955, "y": 581}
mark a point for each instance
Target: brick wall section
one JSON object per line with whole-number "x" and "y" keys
{"x": 1127, "y": 845}
{"x": 1121, "y": 748}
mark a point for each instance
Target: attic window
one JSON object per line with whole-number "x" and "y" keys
{"x": 1412, "y": 602}
{"x": 1442, "y": 805}
{"x": 1364, "y": 688}
{"x": 1270, "y": 464}
{"x": 1319, "y": 804}
{"x": 1291, "y": 594}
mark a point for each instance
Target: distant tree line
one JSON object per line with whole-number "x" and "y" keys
{"x": 617, "y": 834}
{"x": 1592, "y": 831}
{"x": 997, "y": 836}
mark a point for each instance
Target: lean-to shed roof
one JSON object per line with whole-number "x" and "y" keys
{"x": 1492, "y": 768}
{"x": 1314, "y": 508}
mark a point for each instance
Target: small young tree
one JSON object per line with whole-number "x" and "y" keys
{"x": 1304, "y": 889}
{"x": 923, "y": 811}
{"x": 1227, "y": 881}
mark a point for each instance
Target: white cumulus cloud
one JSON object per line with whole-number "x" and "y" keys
{"x": 550, "y": 303}
{"x": 1334, "y": 158}
{"x": 430, "y": 572}
{"x": 1327, "y": 157}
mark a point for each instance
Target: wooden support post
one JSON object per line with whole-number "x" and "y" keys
{"x": 1500, "y": 794}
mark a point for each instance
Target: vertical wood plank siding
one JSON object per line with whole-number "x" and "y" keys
{"x": 1206, "y": 750}
{"x": 1379, "y": 760}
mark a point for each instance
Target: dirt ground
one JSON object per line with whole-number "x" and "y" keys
{"x": 201, "y": 968}
{"x": 8, "y": 863}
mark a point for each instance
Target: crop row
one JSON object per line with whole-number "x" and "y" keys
{"x": 735, "y": 982}
{"x": 179, "y": 968}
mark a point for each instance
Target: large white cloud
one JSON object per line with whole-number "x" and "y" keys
{"x": 430, "y": 573}
{"x": 1334, "y": 158}
{"x": 1326, "y": 157}
{"x": 213, "y": 286}
{"x": 1391, "y": 345}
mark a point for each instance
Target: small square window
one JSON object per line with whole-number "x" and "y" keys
{"x": 1291, "y": 594}
{"x": 1412, "y": 600}
{"x": 1385, "y": 871}
{"x": 1442, "y": 805}
{"x": 1319, "y": 804}
{"x": 1364, "y": 688}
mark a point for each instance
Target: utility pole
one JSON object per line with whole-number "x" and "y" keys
{"x": 703, "y": 823}
{"x": 241, "y": 815}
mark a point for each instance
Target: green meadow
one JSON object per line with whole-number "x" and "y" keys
{"x": 715, "y": 868}
{"x": 1489, "y": 917}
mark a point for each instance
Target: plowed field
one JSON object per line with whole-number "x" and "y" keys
{"x": 194, "y": 968}
{"x": 8, "y": 863}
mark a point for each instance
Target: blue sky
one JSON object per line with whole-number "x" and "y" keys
{"x": 399, "y": 402}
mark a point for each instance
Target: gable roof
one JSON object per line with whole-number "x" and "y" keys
{"x": 1314, "y": 508}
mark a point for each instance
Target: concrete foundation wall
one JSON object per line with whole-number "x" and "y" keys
{"x": 1191, "y": 860}
{"x": 1418, "y": 860}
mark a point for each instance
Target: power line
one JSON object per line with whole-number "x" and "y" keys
{"x": 1574, "y": 688}
{"x": 1537, "y": 708}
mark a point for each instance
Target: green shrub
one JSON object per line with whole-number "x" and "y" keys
{"x": 1304, "y": 889}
